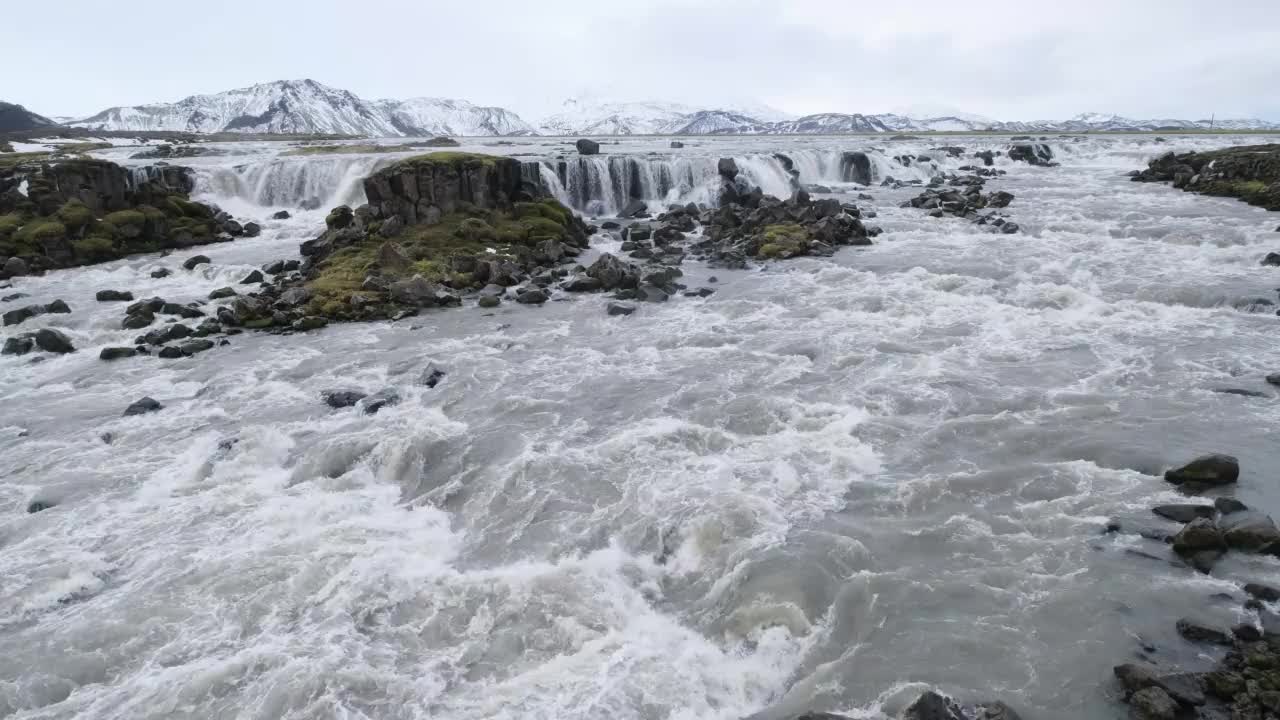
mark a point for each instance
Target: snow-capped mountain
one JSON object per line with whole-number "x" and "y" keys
{"x": 306, "y": 106}
{"x": 15, "y": 117}
{"x": 286, "y": 106}
{"x": 442, "y": 116}
{"x": 584, "y": 117}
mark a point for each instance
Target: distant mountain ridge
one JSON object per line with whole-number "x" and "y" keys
{"x": 306, "y": 106}
{"x": 15, "y": 117}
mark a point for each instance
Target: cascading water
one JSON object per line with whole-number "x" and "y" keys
{"x": 604, "y": 185}
{"x": 307, "y": 183}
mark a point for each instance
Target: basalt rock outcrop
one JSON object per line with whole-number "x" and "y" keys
{"x": 437, "y": 227}
{"x": 1250, "y": 173}
{"x": 962, "y": 197}
{"x": 78, "y": 212}
{"x": 1033, "y": 154}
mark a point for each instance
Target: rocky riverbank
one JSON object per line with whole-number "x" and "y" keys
{"x": 1250, "y": 173}
{"x": 80, "y": 212}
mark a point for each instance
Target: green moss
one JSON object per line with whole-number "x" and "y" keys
{"x": 783, "y": 240}
{"x": 11, "y": 159}
{"x": 549, "y": 209}
{"x": 94, "y": 249}
{"x": 339, "y": 277}
{"x": 38, "y": 230}
{"x": 447, "y": 158}
{"x": 125, "y": 217}
{"x": 175, "y": 206}
{"x": 9, "y": 224}
{"x": 475, "y": 230}
{"x": 75, "y": 215}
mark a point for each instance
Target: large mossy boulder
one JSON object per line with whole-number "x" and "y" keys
{"x": 462, "y": 221}
{"x": 424, "y": 188}
{"x": 78, "y": 212}
{"x": 1250, "y": 173}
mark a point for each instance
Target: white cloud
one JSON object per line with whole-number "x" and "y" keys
{"x": 1005, "y": 59}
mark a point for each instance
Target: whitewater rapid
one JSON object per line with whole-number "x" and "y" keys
{"x": 830, "y": 485}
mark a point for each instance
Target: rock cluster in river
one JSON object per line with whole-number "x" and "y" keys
{"x": 79, "y": 212}
{"x": 1250, "y": 173}
{"x": 962, "y": 197}
{"x": 1033, "y": 154}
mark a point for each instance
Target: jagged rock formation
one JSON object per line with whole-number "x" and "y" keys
{"x": 437, "y": 227}
{"x": 78, "y": 212}
{"x": 1250, "y": 173}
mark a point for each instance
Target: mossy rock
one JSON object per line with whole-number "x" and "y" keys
{"x": 9, "y": 224}
{"x": 75, "y": 215}
{"x": 476, "y": 230}
{"x": 125, "y": 217}
{"x": 42, "y": 229}
{"x": 782, "y": 241}
{"x": 447, "y": 158}
{"x": 95, "y": 248}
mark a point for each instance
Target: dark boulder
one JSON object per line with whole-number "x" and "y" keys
{"x": 728, "y": 168}
{"x": 342, "y": 398}
{"x": 252, "y": 229}
{"x": 386, "y": 397}
{"x": 1226, "y": 505}
{"x": 432, "y": 376}
{"x": 1032, "y": 153}
{"x": 161, "y": 273}
{"x": 138, "y": 320}
{"x": 53, "y": 341}
{"x": 618, "y": 308}
{"x": 1271, "y": 260}
{"x": 252, "y": 278}
{"x": 36, "y": 506}
{"x": 635, "y": 208}
{"x": 932, "y": 706}
{"x": 1206, "y": 470}
{"x": 280, "y": 215}
{"x": 1183, "y": 513}
{"x": 191, "y": 262}
{"x": 1152, "y": 704}
{"x": 222, "y": 292}
{"x": 1197, "y": 633}
{"x": 114, "y": 296}
{"x": 143, "y": 406}
{"x": 275, "y": 267}
{"x": 855, "y": 167}
{"x": 533, "y": 296}
{"x": 613, "y": 273}
{"x": 587, "y": 147}
{"x": 1249, "y": 531}
{"x": 20, "y": 345}
{"x": 116, "y": 353}
{"x": 581, "y": 282}
{"x": 1199, "y": 534}
{"x": 14, "y": 267}
{"x": 1265, "y": 593}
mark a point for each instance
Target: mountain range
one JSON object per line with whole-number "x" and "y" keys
{"x": 15, "y": 117}
{"x": 306, "y": 106}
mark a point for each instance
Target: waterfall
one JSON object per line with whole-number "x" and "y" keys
{"x": 596, "y": 185}
{"x": 308, "y": 183}
{"x": 602, "y": 185}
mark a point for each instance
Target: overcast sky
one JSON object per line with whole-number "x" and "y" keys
{"x": 1029, "y": 59}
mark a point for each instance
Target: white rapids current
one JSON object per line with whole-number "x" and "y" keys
{"x": 832, "y": 484}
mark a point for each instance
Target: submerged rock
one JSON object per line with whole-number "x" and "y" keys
{"x": 191, "y": 262}
{"x": 1184, "y": 513}
{"x": 342, "y": 398}
{"x": 383, "y": 398}
{"x": 1201, "y": 634}
{"x": 114, "y": 296}
{"x": 1153, "y": 704}
{"x": 53, "y": 341}
{"x": 116, "y": 353}
{"x": 143, "y": 406}
{"x": 1206, "y": 470}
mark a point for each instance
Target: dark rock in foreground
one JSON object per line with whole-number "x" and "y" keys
{"x": 1206, "y": 470}
{"x": 143, "y": 406}
{"x": 342, "y": 398}
{"x": 1250, "y": 173}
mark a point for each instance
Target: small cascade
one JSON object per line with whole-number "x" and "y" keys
{"x": 602, "y": 185}
{"x": 306, "y": 183}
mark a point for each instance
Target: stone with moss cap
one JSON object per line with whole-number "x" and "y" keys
{"x": 423, "y": 187}
{"x": 1250, "y": 173}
